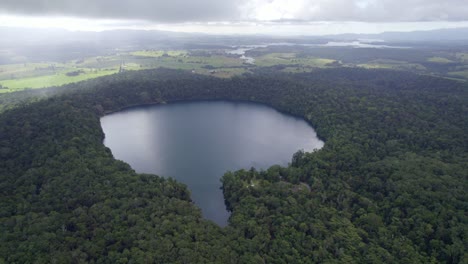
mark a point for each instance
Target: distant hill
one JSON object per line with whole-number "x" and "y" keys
{"x": 439, "y": 35}
{"x": 12, "y": 37}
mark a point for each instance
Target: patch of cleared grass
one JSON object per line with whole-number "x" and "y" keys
{"x": 24, "y": 70}
{"x": 189, "y": 63}
{"x": 290, "y": 59}
{"x": 463, "y": 74}
{"x": 52, "y": 80}
{"x": 439, "y": 60}
{"x": 222, "y": 72}
{"x": 392, "y": 64}
{"x": 159, "y": 53}
{"x": 375, "y": 66}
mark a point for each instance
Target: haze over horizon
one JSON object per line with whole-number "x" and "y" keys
{"x": 276, "y": 17}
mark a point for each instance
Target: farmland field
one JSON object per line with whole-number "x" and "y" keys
{"x": 15, "y": 77}
{"x": 52, "y": 80}
{"x": 218, "y": 63}
{"x": 291, "y": 59}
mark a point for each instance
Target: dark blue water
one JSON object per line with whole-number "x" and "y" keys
{"x": 197, "y": 142}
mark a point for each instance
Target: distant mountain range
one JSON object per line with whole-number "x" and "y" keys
{"x": 31, "y": 36}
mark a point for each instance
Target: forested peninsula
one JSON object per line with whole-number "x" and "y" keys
{"x": 389, "y": 186}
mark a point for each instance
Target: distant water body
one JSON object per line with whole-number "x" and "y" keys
{"x": 361, "y": 43}
{"x": 197, "y": 142}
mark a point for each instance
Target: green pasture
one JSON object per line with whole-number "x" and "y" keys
{"x": 463, "y": 74}
{"x": 392, "y": 64}
{"x": 52, "y": 80}
{"x": 273, "y": 59}
{"x": 159, "y": 53}
{"x": 439, "y": 60}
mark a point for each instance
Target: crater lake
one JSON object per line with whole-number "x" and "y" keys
{"x": 197, "y": 142}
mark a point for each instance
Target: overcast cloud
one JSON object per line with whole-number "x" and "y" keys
{"x": 167, "y": 11}
{"x": 177, "y": 11}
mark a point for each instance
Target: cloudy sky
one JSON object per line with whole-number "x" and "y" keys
{"x": 306, "y": 17}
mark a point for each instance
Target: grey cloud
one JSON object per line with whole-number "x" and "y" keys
{"x": 385, "y": 10}
{"x": 176, "y": 11}
{"x": 155, "y": 10}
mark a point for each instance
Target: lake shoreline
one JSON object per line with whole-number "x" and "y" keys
{"x": 198, "y": 141}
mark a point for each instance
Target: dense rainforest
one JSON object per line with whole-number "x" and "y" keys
{"x": 389, "y": 186}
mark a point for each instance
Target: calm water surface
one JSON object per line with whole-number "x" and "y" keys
{"x": 197, "y": 142}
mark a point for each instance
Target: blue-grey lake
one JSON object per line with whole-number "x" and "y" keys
{"x": 197, "y": 142}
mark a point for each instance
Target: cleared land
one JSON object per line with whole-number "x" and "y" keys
{"x": 14, "y": 77}
{"x": 291, "y": 59}
{"x": 216, "y": 62}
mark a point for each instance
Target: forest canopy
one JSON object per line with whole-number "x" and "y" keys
{"x": 389, "y": 186}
